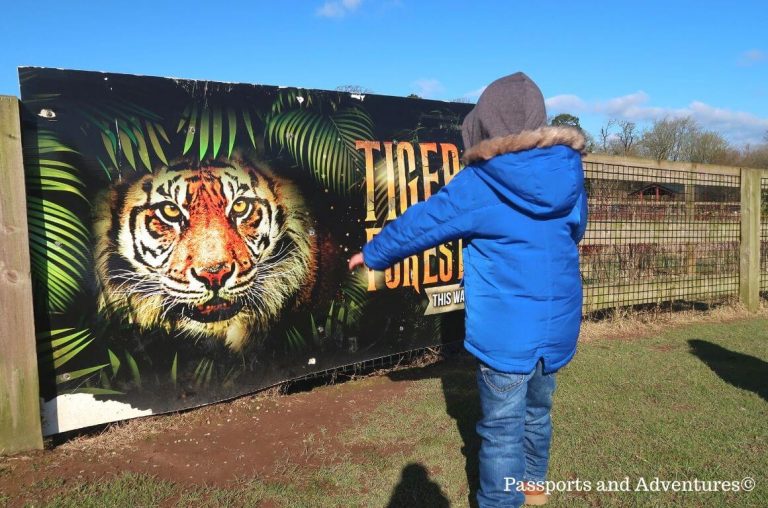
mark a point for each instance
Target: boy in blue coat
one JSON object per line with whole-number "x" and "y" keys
{"x": 521, "y": 208}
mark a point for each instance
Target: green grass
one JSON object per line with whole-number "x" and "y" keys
{"x": 654, "y": 408}
{"x": 682, "y": 406}
{"x": 128, "y": 489}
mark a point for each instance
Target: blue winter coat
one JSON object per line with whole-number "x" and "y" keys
{"x": 521, "y": 215}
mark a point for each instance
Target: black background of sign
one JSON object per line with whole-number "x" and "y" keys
{"x": 68, "y": 105}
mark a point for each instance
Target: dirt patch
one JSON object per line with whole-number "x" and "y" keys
{"x": 219, "y": 445}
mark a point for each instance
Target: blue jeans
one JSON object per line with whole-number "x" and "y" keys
{"x": 515, "y": 432}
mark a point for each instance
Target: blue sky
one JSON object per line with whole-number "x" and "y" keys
{"x": 627, "y": 60}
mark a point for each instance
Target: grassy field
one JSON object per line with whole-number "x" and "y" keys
{"x": 690, "y": 403}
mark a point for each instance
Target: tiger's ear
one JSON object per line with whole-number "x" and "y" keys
{"x": 248, "y": 153}
{"x": 181, "y": 162}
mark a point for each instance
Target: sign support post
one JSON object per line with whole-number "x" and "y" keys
{"x": 20, "y": 427}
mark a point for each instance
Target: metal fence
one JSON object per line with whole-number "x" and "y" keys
{"x": 660, "y": 233}
{"x": 764, "y": 237}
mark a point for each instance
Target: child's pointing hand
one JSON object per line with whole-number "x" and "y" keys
{"x": 355, "y": 261}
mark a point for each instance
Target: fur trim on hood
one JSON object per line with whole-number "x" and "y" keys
{"x": 542, "y": 137}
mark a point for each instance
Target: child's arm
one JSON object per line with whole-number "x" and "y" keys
{"x": 447, "y": 215}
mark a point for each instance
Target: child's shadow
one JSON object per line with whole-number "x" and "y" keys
{"x": 416, "y": 490}
{"x": 462, "y": 403}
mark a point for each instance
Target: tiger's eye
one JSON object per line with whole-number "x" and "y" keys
{"x": 170, "y": 212}
{"x": 240, "y": 207}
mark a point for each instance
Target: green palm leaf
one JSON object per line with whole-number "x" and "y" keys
{"x": 217, "y": 127}
{"x": 126, "y": 146}
{"x": 291, "y": 98}
{"x": 59, "y": 241}
{"x": 353, "y": 124}
{"x": 174, "y": 368}
{"x": 161, "y": 130}
{"x": 323, "y": 143}
{"x": 122, "y": 126}
{"x": 58, "y": 249}
{"x": 203, "y": 372}
{"x": 77, "y": 374}
{"x": 192, "y": 122}
{"x": 206, "y": 124}
{"x": 128, "y": 129}
{"x": 134, "y": 368}
{"x": 315, "y": 331}
{"x": 156, "y": 146}
{"x": 45, "y": 169}
{"x": 44, "y": 176}
{"x": 231, "y": 376}
{"x": 94, "y": 391}
{"x": 110, "y": 145}
{"x": 52, "y": 339}
{"x": 347, "y": 311}
{"x": 354, "y": 288}
{"x": 48, "y": 143}
{"x": 204, "y": 131}
{"x": 184, "y": 118}
{"x": 232, "y": 129}
{"x": 66, "y": 353}
{"x": 57, "y": 347}
{"x": 329, "y": 320}
{"x": 141, "y": 146}
{"x": 104, "y": 380}
{"x": 294, "y": 338}
{"x": 249, "y": 126}
{"x": 114, "y": 362}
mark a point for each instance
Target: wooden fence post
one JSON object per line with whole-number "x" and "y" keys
{"x": 19, "y": 389}
{"x": 749, "y": 250}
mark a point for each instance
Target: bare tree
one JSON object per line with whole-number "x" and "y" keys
{"x": 679, "y": 139}
{"x": 667, "y": 138}
{"x": 708, "y": 147}
{"x": 605, "y": 134}
{"x": 626, "y": 136}
{"x": 755, "y": 156}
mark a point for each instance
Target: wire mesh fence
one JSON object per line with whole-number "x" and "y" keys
{"x": 764, "y": 237}
{"x": 659, "y": 235}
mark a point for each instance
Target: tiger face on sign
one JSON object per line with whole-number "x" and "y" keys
{"x": 207, "y": 250}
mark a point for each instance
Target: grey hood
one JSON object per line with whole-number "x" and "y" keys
{"x": 509, "y": 105}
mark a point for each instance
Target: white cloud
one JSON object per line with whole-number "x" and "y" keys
{"x": 427, "y": 87}
{"x": 632, "y": 106}
{"x": 737, "y": 126}
{"x": 626, "y": 107}
{"x": 337, "y": 8}
{"x": 475, "y": 94}
{"x": 752, "y": 57}
{"x": 565, "y": 104}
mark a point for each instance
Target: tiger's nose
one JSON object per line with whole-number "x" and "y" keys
{"x": 214, "y": 276}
